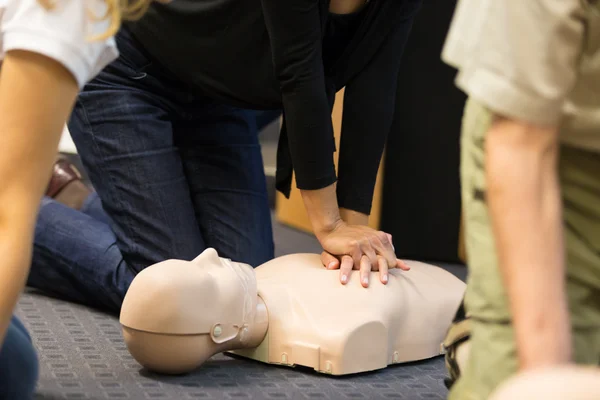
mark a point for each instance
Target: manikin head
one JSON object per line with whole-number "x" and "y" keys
{"x": 190, "y": 311}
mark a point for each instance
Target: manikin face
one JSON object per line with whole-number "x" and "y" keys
{"x": 236, "y": 294}
{"x": 177, "y": 314}
{"x": 210, "y": 295}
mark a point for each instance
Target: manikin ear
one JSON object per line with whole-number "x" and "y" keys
{"x": 208, "y": 256}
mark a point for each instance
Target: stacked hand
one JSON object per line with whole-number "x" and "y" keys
{"x": 347, "y": 247}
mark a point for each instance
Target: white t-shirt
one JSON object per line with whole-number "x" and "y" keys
{"x": 62, "y": 33}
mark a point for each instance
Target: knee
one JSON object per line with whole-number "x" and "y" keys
{"x": 262, "y": 253}
{"x": 18, "y": 365}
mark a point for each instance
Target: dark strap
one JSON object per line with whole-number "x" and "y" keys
{"x": 459, "y": 332}
{"x": 460, "y": 313}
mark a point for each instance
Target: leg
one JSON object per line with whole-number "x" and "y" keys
{"x": 223, "y": 164}
{"x": 76, "y": 258}
{"x": 580, "y": 186}
{"x": 92, "y": 206}
{"x": 264, "y": 118}
{"x": 121, "y": 126}
{"x": 492, "y": 356}
{"x": 18, "y": 364}
{"x": 126, "y": 144}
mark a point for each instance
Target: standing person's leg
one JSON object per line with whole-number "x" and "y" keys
{"x": 223, "y": 164}
{"x": 18, "y": 364}
{"x": 492, "y": 356}
{"x": 121, "y": 126}
{"x": 580, "y": 185}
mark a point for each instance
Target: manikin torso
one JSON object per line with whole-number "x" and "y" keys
{"x": 289, "y": 311}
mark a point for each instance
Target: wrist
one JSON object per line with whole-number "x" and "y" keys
{"x": 323, "y": 227}
{"x": 322, "y": 209}
{"x": 352, "y": 217}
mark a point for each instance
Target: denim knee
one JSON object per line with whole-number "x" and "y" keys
{"x": 18, "y": 364}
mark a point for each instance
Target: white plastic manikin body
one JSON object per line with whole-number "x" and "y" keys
{"x": 289, "y": 311}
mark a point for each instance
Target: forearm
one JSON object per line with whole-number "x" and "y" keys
{"x": 525, "y": 209}
{"x": 36, "y": 96}
{"x": 293, "y": 27}
{"x": 15, "y": 247}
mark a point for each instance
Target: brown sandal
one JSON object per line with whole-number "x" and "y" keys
{"x": 63, "y": 173}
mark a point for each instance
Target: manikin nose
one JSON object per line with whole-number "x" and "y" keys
{"x": 209, "y": 255}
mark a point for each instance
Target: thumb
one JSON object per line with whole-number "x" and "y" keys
{"x": 402, "y": 265}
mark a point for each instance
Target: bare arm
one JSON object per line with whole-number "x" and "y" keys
{"x": 36, "y": 97}
{"x": 525, "y": 206}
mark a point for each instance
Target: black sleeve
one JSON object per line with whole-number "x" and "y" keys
{"x": 369, "y": 105}
{"x": 294, "y": 27}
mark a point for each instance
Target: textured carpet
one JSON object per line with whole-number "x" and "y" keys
{"x": 82, "y": 356}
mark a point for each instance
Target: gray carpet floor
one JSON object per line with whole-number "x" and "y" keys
{"x": 82, "y": 356}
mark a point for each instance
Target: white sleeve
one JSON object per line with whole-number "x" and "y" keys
{"x": 62, "y": 33}
{"x": 2, "y": 7}
{"x": 520, "y": 58}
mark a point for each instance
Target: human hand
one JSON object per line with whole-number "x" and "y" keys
{"x": 349, "y": 247}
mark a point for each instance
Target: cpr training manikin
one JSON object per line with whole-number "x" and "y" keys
{"x": 289, "y": 311}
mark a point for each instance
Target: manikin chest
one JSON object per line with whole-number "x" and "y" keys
{"x": 316, "y": 322}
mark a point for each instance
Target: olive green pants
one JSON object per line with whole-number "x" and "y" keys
{"x": 493, "y": 352}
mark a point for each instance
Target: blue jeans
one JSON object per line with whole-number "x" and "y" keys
{"x": 18, "y": 364}
{"x": 175, "y": 173}
{"x": 264, "y": 118}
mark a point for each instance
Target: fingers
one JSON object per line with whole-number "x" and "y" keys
{"x": 383, "y": 270}
{"x": 381, "y": 243}
{"x": 391, "y": 242}
{"x": 365, "y": 271}
{"x": 399, "y": 263}
{"x": 329, "y": 261}
{"x": 346, "y": 268}
{"x": 360, "y": 248}
{"x": 365, "y": 267}
{"x": 356, "y": 252}
{"x": 368, "y": 250}
{"x": 402, "y": 265}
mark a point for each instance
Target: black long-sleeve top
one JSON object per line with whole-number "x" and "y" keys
{"x": 264, "y": 54}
